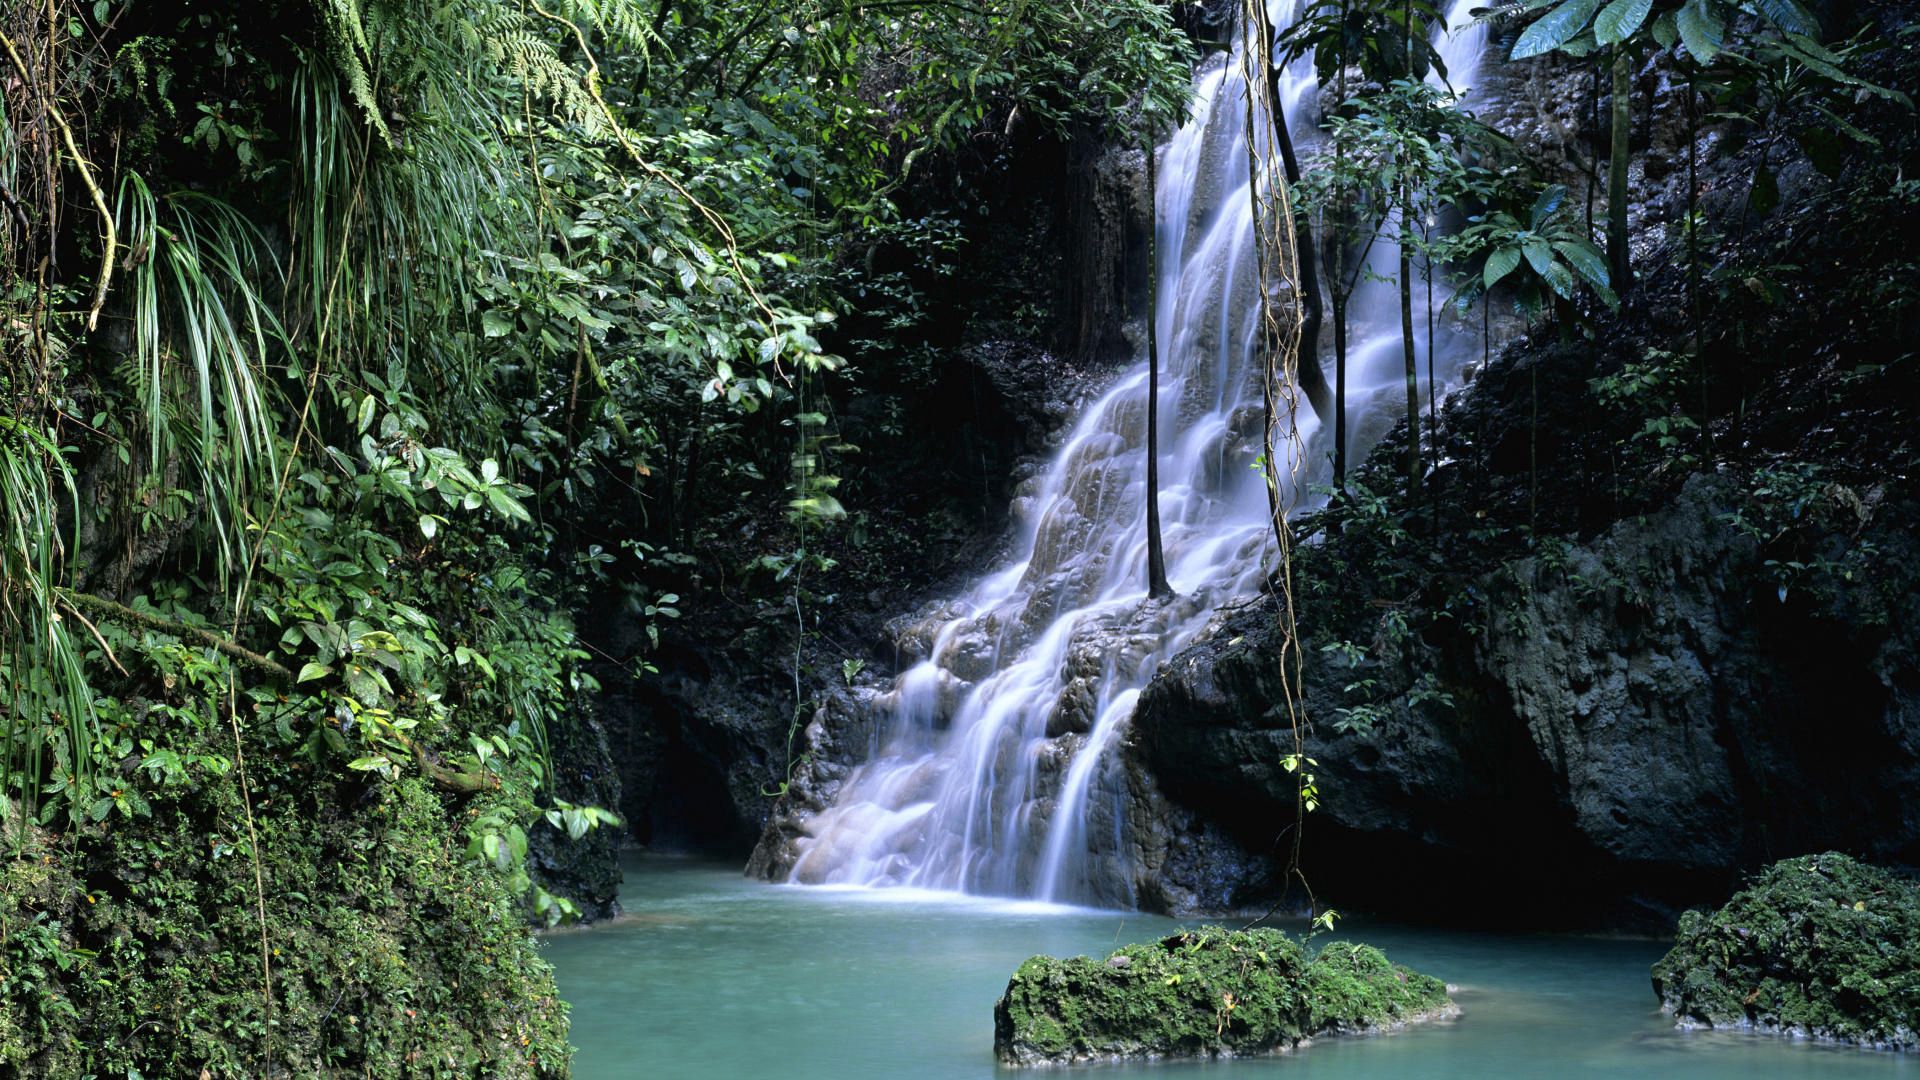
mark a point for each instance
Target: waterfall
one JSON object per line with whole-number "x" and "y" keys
{"x": 995, "y": 773}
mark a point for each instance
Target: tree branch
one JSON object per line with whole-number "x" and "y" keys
{"x": 122, "y": 613}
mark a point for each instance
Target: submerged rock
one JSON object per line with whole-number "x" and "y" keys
{"x": 1205, "y": 993}
{"x": 1822, "y": 946}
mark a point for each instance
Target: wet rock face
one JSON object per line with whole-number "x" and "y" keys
{"x": 1821, "y": 946}
{"x": 1204, "y": 993}
{"x": 1636, "y": 719}
{"x": 587, "y": 870}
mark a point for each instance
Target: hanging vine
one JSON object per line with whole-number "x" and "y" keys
{"x": 1277, "y": 263}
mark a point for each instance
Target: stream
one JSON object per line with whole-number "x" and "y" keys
{"x": 713, "y": 977}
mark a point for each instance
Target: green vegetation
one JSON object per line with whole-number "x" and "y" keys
{"x": 1820, "y": 946}
{"x": 352, "y": 353}
{"x": 361, "y": 361}
{"x": 1208, "y": 992}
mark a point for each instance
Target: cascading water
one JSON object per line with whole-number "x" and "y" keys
{"x": 994, "y": 773}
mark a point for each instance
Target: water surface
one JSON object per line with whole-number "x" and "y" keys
{"x": 713, "y": 977}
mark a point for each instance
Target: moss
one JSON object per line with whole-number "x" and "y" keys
{"x": 137, "y": 947}
{"x": 1823, "y": 946}
{"x": 1354, "y": 987}
{"x": 1203, "y": 993}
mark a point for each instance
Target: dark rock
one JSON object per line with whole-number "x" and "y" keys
{"x": 585, "y": 871}
{"x": 1641, "y": 714}
{"x": 1205, "y": 993}
{"x": 1820, "y": 946}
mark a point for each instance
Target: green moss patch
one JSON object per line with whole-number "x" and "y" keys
{"x": 136, "y": 950}
{"x": 1821, "y": 946}
{"x": 1208, "y": 992}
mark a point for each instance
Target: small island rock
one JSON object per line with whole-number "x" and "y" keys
{"x": 1208, "y": 992}
{"x": 1821, "y": 946}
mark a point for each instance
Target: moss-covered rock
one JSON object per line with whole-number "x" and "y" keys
{"x": 1204, "y": 993}
{"x": 1821, "y": 946}
{"x": 133, "y": 947}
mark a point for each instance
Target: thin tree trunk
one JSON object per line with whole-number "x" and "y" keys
{"x": 1339, "y": 282}
{"x": 1313, "y": 380}
{"x": 1406, "y": 295}
{"x": 1620, "y": 263}
{"x": 1156, "y": 556}
{"x": 1407, "y": 346}
{"x": 1340, "y": 392}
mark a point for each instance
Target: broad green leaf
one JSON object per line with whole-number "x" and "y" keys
{"x": 489, "y": 470}
{"x": 1664, "y": 31}
{"x": 1787, "y": 16}
{"x": 370, "y": 763}
{"x": 1585, "y": 260}
{"x": 429, "y": 525}
{"x": 1554, "y": 28}
{"x": 1539, "y": 255}
{"x": 367, "y": 405}
{"x": 1701, "y": 30}
{"x": 1559, "y": 278}
{"x": 311, "y": 671}
{"x": 1618, "y": 20}
{"x": 1548, "y": 201}
{"x": 1500, "y": 263}
{"x": 507, "y": 506}
{"x": 496, "y": 323}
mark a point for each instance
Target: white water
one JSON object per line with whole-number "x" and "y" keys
{"x": 995, "y": 773}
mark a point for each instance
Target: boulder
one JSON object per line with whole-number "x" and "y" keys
{"x": 1821, "y": 946}
{"x": 1205, "y": 993}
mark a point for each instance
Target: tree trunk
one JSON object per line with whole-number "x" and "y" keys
{"x": 1340, "y": 393}
{"x": 1313, "y": 380}
{"x": 1156, "y": 555}
{"x": 1620, "y": 264}
{"x": 1340, "y": 283}
{"x": 1407, "y": 344}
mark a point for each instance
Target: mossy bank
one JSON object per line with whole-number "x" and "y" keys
{"x": 136, "y": 950}
{"x": 1208, "y": 992}
{"x": 1821, "y": 946}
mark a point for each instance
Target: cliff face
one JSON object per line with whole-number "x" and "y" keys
{"x": 1632, "y": 720}
{"x": 1625, "y": 645}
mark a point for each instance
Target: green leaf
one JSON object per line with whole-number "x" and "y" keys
{"x": 1618, "y": 20}
{"x": 1701, "y": 30}
{"x": 1787, "y": 16}
{"x": 496, "y": 323}
{"x": 1665, "y": 33}
{"x": 1500, "y": 263}
{"x": 1585, "y": 260}
{"x": 507, "y": 506}
{"x": 429, "y": 525}
{"x": 1548, "y": 201}
{"x": 1559, "y": 278}
{"x": 1554, "y": 28}
{"x": 1539, "y": 256}
{"x": 311, "y": 671}
{"x": 367, "y": 405}
{"x": 370, "y": 763}
{"x": 489, "y": 470}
